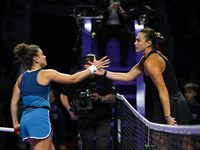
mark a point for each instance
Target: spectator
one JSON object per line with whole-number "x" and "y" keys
{"x": 191, "y": 90}
{"x": 57, "y": 122}
{"x": 114, "y": 24}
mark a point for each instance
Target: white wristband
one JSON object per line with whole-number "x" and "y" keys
{"x": 93, "y": 69}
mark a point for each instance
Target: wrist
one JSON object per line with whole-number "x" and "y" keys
{"x": 105, "y": 73}
{"x": 167, "y": 117}
{"x": 92, "y": 69}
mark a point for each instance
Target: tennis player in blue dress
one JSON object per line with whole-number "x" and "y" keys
{"x": 34, "y": 87}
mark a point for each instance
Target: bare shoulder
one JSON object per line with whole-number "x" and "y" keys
{"x": 19, "y": 80}
{"x": 46, "y": 75}
{"x": 154, "y": 61}
{"x": 142, "y": 60}
{"x": 51, "y": 74}
{"x": 48, "y": 71}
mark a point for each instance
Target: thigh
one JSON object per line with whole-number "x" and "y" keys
{"x": 103, "y": 134}
{"x": 44, "y": 144}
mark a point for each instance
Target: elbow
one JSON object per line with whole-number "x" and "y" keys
{"x": 74, "y": 82}
{"x": 74, "y": 79}
{"x": 163, "y": 90}
{"x": 13, "y": 103}
{"x": 128, "y": 80}
{"x": 77, "y": 78}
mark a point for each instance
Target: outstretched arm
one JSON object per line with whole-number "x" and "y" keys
{"x": 45, "y": 76}
{"x": 136, "y": 71}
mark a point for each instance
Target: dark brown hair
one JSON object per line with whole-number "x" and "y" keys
{"x": 89, "y": 57}
{"x": 151, "y": 35}
{"x": 191, "y": 86}
{"x": 25, "y": 53}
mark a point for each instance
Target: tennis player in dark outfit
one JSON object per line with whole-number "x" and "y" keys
{"x": 96, "y": 121}
{"x": 159, "y": 76}
{"x": 172, "y": 86}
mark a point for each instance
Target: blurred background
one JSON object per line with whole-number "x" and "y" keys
{"x": 51, "y": 25}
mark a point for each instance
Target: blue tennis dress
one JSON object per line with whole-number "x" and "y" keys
{"x": 35, "y": 122}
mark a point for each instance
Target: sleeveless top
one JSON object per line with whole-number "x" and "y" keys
{"x": 34, "y": 94}
{"x": 180, "y": 111}
{"x": 168, "y": 76}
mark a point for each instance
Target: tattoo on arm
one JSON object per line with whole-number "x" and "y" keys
{"x": 110, "y": 98}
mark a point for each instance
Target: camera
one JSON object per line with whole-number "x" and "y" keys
{"x": 82, "y": 101}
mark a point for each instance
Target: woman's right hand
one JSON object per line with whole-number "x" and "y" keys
{"x": 100, "y": 64}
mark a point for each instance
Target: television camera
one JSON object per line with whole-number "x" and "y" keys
{"x": 82, "y": 101}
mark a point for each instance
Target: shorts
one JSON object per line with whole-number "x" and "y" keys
{"x": 35, "y": 123}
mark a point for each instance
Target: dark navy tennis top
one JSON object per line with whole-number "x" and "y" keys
{"x": 34, "y": 94}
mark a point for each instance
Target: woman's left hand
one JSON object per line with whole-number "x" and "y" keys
{"x": 100, "y": 64}
{"x": 171, "y": 121}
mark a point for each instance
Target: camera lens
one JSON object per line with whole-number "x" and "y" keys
{"x": 83, "y": 103}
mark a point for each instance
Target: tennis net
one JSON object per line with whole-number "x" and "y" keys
{"x": 137, "y": 133}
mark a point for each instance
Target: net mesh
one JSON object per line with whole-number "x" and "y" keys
{"x": 137, "y": 133}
